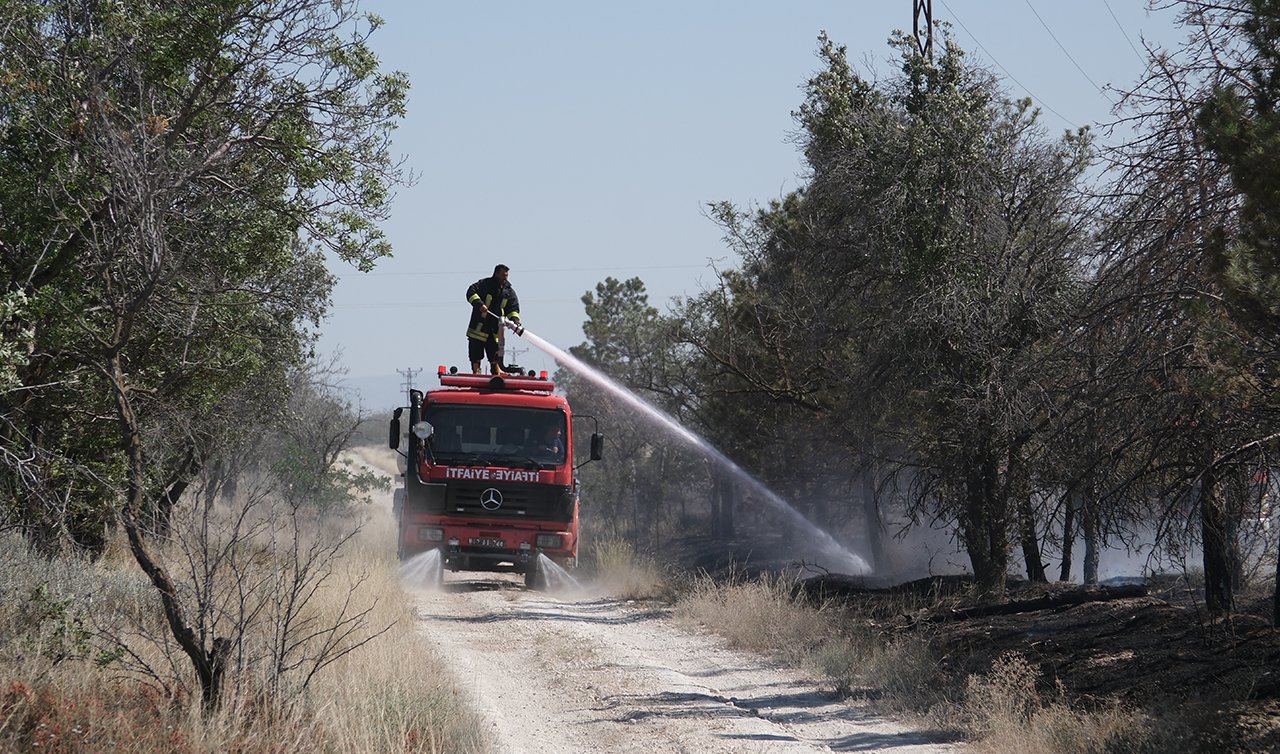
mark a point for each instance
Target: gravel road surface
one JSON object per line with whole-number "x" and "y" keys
{"x": 568, "y": 673}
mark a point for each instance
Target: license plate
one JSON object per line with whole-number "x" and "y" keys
{"x": 484, "y": 542}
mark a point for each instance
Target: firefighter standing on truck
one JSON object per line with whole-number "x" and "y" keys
{"x": 491, "y": 298}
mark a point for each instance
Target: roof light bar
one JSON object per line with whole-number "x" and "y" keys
{"x": 497, "y": 382}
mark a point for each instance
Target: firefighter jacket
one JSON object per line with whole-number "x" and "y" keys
{"x": 501, "y": 300}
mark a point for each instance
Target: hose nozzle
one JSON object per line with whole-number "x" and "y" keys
{"x": 512, "y": 325}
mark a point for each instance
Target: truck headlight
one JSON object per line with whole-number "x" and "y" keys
{"x": 430, "y": 534}
{"x": 550, "y": 540}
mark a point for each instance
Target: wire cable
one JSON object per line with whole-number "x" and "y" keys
{"x": 1062, "y": 47}
{"x": 1127, "y": 38}
{"x": 1012, "y": 78}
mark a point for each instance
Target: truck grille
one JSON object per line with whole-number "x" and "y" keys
{"x": 542, "y": 502}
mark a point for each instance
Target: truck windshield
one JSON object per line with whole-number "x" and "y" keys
{"x": 497, "y": 435}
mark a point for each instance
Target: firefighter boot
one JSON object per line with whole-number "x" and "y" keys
{"x": 475, "y": 367}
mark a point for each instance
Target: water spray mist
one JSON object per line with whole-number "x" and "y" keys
{"x": 842, "y": 557}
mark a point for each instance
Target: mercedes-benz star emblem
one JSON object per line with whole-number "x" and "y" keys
{"x": 491, "y": 499}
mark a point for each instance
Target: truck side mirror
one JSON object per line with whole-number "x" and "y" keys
{"x": 395, "y": 430}
{"x": 597, "y": 446}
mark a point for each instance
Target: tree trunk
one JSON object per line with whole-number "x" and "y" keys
{"x": 684, "y": 509}
{"x": 984, "y": 528}
{"x": 717, "y": 516}
{"x": 1090, "y": 532}
{"x": 209, "y": 665}
{"x": 1029, "y": 539}
{"x": 871, "y": 517}
{"x": 1275, "y": 597}
{"x": 1068, "y": 535}
{"x": 41, "y": 524}
{"x": 727, "y": 510}
{"x": 173, "y": 493}
{"x": 728, "y": 493}
{"x": 657, "y": 496}
{"x": 44, "y": 524}
{"x": 1219, "y": 597}
{"x": 1234, "y": 520}
{"x": 636, "y": 532}
{"x": 1054, "y": 601}
{"x": 231, "y": 479}
{"x": 820, "y": 510}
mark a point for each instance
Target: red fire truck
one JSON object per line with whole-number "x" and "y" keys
{"x": 489, "y": 476}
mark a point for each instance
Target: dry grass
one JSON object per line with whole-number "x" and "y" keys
{"x": 1005, "y": 712}
{"x": 71, "y": 712}
{"x": 1002, "y": 711}
{"x": 765, "y": 616}
{"x": 65, "y": 684}
{"x": 901, "y": 672}
{"x": 620, "y": 571}
{"x": 758, "y": 615}
{"x": 394, "y": 694}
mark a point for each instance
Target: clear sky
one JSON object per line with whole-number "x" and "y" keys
{"x": 576, "y": 140}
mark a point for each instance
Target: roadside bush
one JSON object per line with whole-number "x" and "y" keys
{"x": 42, "y": 605}
{"x": 900, "y": 672}
{"x": 760, "y": 615}
{"x": 77, "y": 632}
{"x": 622, "y": 572}
{"x": 1006, "y": 712}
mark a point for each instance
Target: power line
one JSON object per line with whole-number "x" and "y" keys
{"x": 1012, "y": 78}
{"x": 1127, "y": 38}
{"x": 1062, "y": 47}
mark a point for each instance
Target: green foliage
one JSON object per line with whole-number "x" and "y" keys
{"x": 645, "y": 479}
{"x": 906, "y": 296}
{"x": 299, "y": 451}
{"x": 171, "y": 188}
{"x": 14, "y": 339}
{"x": 620, "y": 328}
{"x": 1242, "y": 127}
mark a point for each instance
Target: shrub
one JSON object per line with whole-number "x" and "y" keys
{"x": 1005, "y": 711}
{"x": 622, "y": 572}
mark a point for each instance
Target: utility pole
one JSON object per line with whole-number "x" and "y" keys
{"x": 408, "y": 375}
{"x": 923, "y": 10}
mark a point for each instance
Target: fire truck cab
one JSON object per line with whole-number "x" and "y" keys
{"x": 489, "y": 479}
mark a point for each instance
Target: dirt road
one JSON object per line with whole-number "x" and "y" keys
{"x": 574, "y": 673}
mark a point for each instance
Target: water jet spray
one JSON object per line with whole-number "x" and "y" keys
{"x": 842, "y": 556}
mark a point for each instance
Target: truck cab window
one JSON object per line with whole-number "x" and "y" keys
{"x": 498, "y": 435}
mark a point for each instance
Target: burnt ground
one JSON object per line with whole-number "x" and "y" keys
{"x": 1210, "y": 685}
